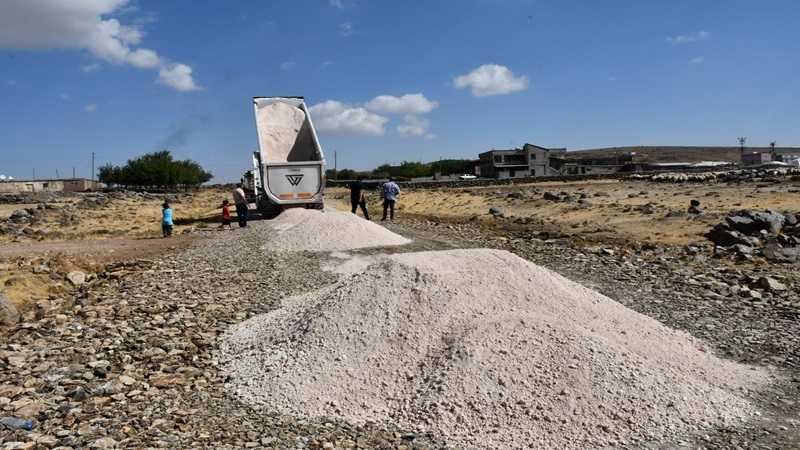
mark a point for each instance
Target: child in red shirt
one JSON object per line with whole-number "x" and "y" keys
{"x": 226, "y": 216}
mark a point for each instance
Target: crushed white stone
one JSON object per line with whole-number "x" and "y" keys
{"x": 487, "y": 350}
{"x": 284, "y": 134}
{"x": 300, "y": 229}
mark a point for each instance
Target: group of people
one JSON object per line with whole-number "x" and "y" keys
{"x": 242, "y": 212}
{"x": 389, "y": 193}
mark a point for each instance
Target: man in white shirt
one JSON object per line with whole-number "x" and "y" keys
{"x": 242, "y": 209}
{"x": 389, "y": 192}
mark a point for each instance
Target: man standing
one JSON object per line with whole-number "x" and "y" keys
{"x": 357, "y": 196}
{"x": 242, "y": 209}
{"x": 389, "y": 192}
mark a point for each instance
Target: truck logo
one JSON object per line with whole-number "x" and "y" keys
{"x": 294, "y": 180}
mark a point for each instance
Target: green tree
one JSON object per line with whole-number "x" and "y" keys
{"x": 453, "y": 166}
{"x": 347, "y": 174}
{"x": 189, "y": 174}
{"x": 109, "y": 175}
{"x": 386, "y": 171}
{"x": 411, "y": 169}
{"x": 344, "y": 174}
{"x": 155, "y": 170}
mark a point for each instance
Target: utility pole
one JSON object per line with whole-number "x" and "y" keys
{"x": 92, "y": 171}
{"x": 741, "y": 146}
{"x": 57, "y": 178}
{"x": 335, "y": 171}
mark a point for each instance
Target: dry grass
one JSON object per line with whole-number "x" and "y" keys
{"x": 127, "y": 228}
{"x": 613, "y": 212}
{"x": 122, "y": 217}
{"x": 90, "y": 237}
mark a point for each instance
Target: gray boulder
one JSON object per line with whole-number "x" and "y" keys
{"x": 9, "y": 315}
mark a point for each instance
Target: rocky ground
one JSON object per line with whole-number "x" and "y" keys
{"x": 127, "y": 358}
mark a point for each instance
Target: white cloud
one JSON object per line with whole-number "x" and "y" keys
{"x": 491, "y": 79}
{"x": 697, "y": 60}
{"x": 79, "y": 24}
{"x": 339, "y": 118}
{"x": 414, "y": 127}
{"x": 346, "y": 29}
{"x": 407, "y": 104}
{"x": 91, "y": 68}
{"x": 691, "y": 37}
{"x": 178, "y": 77}
{"x": 341, "y": 4}
{"x": 90, "y": 108}
{"x": 144, "y": 59}
{"x": 287, "y": 65}
{"x": 65, "y": 97}
{"x": 336, "y": 117}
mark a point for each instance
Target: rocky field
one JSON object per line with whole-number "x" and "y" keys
{"x": 116, "y": 341}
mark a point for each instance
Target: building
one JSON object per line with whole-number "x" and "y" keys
{"x": 528, "y": 161}
{"x": 69, "y": 184}
{"x": 758, "y": 158}
{"x": 751, "y": 159}
{"x": 788, "y": 157}
{"x": 598, "y": 165}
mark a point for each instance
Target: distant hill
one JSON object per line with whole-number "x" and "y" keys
{"x": 692, "y": 155}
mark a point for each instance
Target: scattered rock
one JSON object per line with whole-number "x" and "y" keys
{"x": 8, "y": 312}
{"x": 76, "y": 277}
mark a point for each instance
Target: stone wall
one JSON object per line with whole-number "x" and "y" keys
{"x": 689, "y": 175}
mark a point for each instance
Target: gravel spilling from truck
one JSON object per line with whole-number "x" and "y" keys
{"x": 301, "y": 229}
{"x": 283, "y": 134}
{"x": 485, "y": 349}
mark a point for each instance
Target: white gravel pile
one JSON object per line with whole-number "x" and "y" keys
{"x": 486, "y": 349}
{"x": 302, "y": 229}
{"x": 284, "y": 134}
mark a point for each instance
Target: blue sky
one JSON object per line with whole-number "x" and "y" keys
{"x": 388, "y": 81}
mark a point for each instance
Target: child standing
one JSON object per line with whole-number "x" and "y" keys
{"x": 226, "y": 215}
{"x": 166, "y": 220}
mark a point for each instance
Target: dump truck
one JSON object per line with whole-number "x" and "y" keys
{"x": 289, "y": 167}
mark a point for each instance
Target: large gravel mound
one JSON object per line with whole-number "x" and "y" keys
{"x": 302, "y": 229}
{"x": 486, "y": 349}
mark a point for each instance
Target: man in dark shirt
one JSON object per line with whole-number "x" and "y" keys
{"x": 357, "y": 196}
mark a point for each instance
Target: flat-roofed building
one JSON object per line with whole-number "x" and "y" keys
{"x": 528, "y": 161}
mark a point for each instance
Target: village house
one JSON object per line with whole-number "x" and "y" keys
{"x": 528, "y": 161}
{"x": 68, "y": 184}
